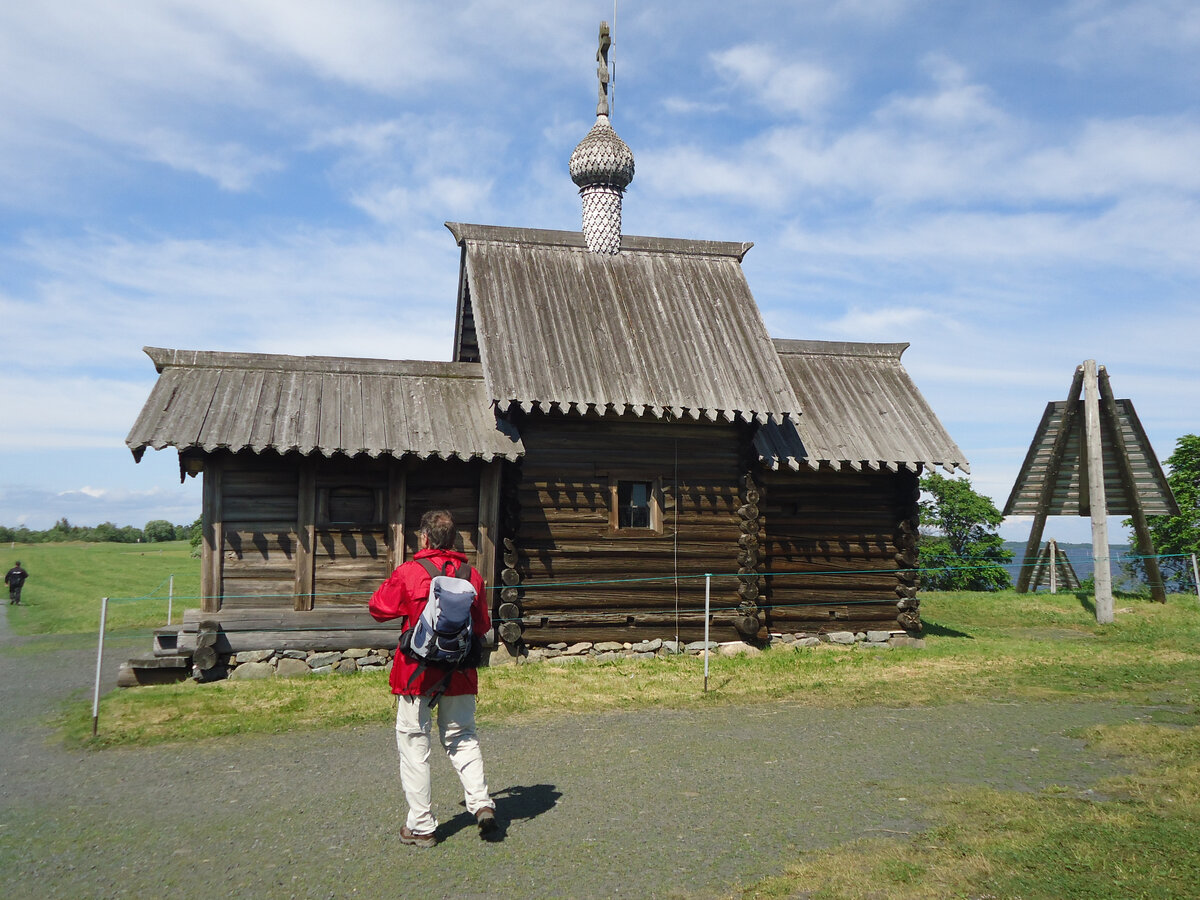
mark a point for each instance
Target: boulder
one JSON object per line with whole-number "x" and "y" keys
{"x": 249, "y": 671}
{"x": 289, "y": 667}
{"x": 253, "y": 656}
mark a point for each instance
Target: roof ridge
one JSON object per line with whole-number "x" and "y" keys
{"x": 336, "y": 365}
{"x": 788, "y": 346}
{"x": 574, "y": 240}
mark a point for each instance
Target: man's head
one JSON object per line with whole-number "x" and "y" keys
{"x": 438, "y": 527}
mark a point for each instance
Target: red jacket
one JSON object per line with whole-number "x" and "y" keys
{"x": 404, "y": 595}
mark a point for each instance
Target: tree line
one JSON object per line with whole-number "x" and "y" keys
{"x": 155, "y": 531}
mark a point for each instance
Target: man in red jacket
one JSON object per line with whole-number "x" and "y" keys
{"x": 404, "y": 595}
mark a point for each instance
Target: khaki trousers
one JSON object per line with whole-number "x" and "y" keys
{"x": 456, "y": 729}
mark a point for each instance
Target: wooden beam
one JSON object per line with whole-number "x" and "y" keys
{"x": 489, "y": 521}
{"x": 1057, "y": 451}
{"x": 396, "y": 510}
{"x": 1141, "y": 527}
{"x": 1096, "y": 500}
{"x": 212, "y": 548}
{"x": 306, "y": 536}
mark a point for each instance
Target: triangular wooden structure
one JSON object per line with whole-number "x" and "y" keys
{"x": 1054, "y": 575}
{"x": 1091, "y": 457}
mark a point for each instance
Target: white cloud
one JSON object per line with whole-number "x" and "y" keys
{"x": 76, "y": 412}
{"x": 232, "y": 166}
{"x": 881, "y": 323}
{"x": 1116, "y": 30}
{"x": 340, "y": 290}
{"x": 783, "y": 86}
{"x": 95, "y": 493}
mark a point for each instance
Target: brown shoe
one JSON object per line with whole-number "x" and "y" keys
{"x": 486, "y": 819}
{"x": 417, "y": 840}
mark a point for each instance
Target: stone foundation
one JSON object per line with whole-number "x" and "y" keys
{"x": 267, "y": 663}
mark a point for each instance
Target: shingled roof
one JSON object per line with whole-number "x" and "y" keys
{"x": 1070, "y": 474}
{"x": 662, "y": 327}
{"x": 320, "y": 404}
{"x": 860, "y": 409}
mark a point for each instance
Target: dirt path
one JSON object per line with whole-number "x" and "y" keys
{"x": 625, "y": 804}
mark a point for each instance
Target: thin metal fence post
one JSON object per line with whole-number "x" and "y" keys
{"x": 1196, "y": 575}
{"x": 170, "y": 598}
{"x": 99, "y": 660}
{"x": 707, "y": 600}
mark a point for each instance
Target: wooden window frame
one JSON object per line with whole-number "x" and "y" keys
{"x": 322, "y": 511}
{"x": 656, "y": 503}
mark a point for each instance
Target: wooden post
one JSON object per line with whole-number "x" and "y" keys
{"x": 1052, "y": 466}
{"x": 396, "y": 511}
{"x": 1095, "y": 488}
{"x": 306, "y": 534}
{"x": 489, "y": 521}
{"x": 212, "y": 548}
{"x": 1053, "y": 566}
{"x": 99, "y": 661}
{"x": 1140, "y": 526}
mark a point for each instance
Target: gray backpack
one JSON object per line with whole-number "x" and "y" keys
{"x": 441, "y": 635}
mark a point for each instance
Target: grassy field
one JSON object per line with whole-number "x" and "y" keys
{"x": 67, "y": 581}
{"x": 1134, "y": 839}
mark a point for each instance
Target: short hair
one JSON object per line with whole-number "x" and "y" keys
{"x": 438, "y": 524}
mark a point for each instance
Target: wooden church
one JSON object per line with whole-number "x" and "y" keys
{"x": 615, "y": 424}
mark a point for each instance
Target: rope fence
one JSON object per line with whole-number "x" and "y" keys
{"x": 658, "y": 579}
{"x": 673, "y": 578}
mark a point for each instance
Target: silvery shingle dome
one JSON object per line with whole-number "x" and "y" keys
{"x": 602, "y": 158}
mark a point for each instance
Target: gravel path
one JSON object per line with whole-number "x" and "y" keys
{"x": 633, "y": 804}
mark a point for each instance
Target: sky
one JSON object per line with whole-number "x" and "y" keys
{"x": 1011, "y": 187}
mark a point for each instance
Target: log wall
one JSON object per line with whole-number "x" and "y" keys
{"x": 259, "y": 503}
{"x": 573, "y": 573}
{"x": 282, "y": 546}
{"x": 349, "y": 559}
{"x": 837, "y": 545}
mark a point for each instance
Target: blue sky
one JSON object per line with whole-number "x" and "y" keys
{"x": 1011, "y": 187}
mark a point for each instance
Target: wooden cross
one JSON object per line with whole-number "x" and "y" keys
{"x": 602, "y": 69}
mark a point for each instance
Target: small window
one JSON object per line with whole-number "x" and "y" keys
{"x": 634, "y": 500}
{"x": 635, "y": 504}
{"x": 351, "y": 505}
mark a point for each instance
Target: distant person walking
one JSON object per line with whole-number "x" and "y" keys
{"x": 419, "y": 689}
{"x": 15, "y": 578}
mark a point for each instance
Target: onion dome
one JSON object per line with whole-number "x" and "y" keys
{"x": 602, "y": 158}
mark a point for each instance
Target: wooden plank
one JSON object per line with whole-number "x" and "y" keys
{"x": 396, "y": 504}
{"x": 242, "y": 508}
{"x": 380, "y": 637}
{"x": 489, "y": 521}
{"x": 350, "y": 544}
{"x": 211, "y": 555}
{"x": 1141, "y": 527}
{"x": 306, "y": 510}
{"x": 1053, "y": 465}
{"x": 1096, "y": 495}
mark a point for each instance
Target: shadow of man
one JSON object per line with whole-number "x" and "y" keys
{"x": 513, "y": 804}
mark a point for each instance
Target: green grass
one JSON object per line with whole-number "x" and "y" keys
{"x": 1133, "y": 839}
{"x": 1052, "y": 649}
{"x": 1136, "y": 842}
{"x": 67, "y": 581}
